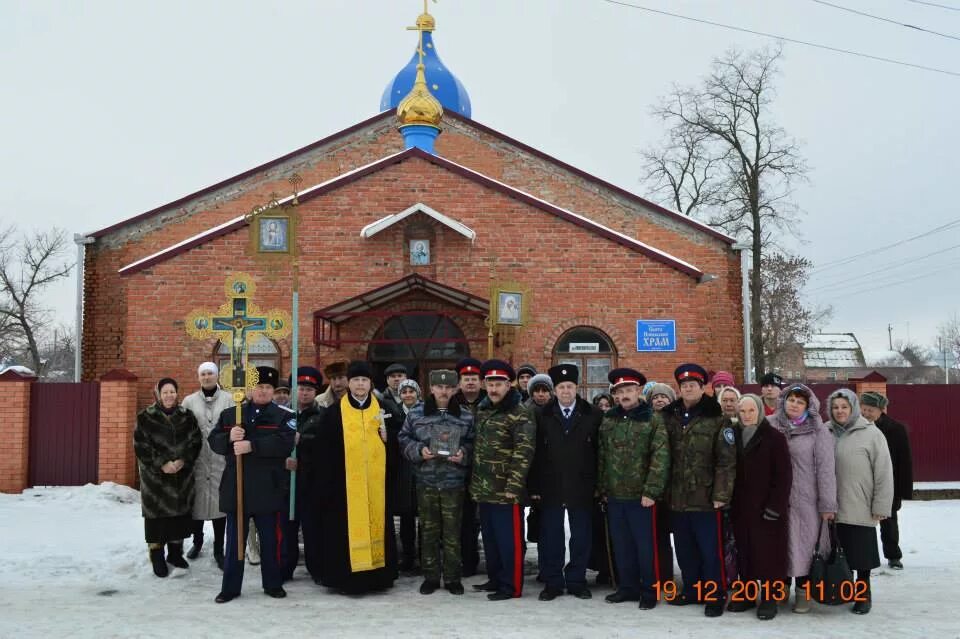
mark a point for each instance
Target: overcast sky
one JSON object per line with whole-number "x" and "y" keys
{"x": 114, "y": 107}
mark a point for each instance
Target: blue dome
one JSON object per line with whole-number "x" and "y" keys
{"x": 442, "y": 84}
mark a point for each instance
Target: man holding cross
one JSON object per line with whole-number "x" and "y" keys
{"x": 265, "y": 438}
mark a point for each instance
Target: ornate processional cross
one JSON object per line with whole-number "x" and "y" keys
{"x": 237, "y": 322}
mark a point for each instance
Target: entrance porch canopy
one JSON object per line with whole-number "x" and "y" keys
{"x": 327, "y": 321}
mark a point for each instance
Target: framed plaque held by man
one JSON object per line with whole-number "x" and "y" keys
{"x": 445, "y": 440}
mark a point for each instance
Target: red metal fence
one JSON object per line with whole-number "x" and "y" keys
{"x": 64, "y": 433}
{"x": 932, "y": 415}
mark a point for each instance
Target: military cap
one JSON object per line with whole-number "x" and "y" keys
{"x": 468, "y": 366}
{"x": 268, "y": 375}
{"x": 307, "y": 376}
{"x": 564, "y": 373}
{"x": 621, "y": 376}
{"x": 526, "y": 369}
{"x": 688, "y": 372}
{"x": 497, "y": 369}
{"x": 358, "y": 368}
{"x": 396, "y": 368}
{"x": 875, "y": 399}
{"x": 336, "y": 368}
{"x": 772, "y": 379}
{"x": 283, "y": 384}
{"x": 443, "y": 377}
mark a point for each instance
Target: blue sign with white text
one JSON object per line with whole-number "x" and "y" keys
{"x": 656, "y": 335}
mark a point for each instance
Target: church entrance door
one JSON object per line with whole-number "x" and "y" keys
{"x": 420, "y": 340}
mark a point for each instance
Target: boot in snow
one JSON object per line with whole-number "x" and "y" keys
{"x": 160, "y": 568}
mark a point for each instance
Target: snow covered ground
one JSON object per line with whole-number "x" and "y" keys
{"x": 72, "y": 564}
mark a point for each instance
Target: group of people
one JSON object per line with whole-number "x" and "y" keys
{"x": 627, "y": 471}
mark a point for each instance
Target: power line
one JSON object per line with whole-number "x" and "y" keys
{"x": 847, "y": 260}
{"x": 891, "y": 284}
{"x": 874, "y": 17}
{"x": 934, "y": 4}
{"x": 879, "y": 270}
{"x": 785, "y": 39}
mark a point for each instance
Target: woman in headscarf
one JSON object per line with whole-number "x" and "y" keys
{"x": 603, "y": 401}
{"x": 864, "y": 489}
{"x": 759, "y": 511}
{"x": 729, "y": 398}
{"x": 410, "y": 396}
{"x": 813, "y": 492}
{"x": 660, "y": 396}
{"x": 166, "y": 441}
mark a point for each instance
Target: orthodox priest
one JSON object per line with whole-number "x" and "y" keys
{"x": 355, "y": 457}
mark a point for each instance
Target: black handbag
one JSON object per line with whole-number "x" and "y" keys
{"x": 829, "y": 571}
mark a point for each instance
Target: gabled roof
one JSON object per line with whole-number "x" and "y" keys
{"x": 347, "y": 178}
{"x": 384, "y": 223}
{"x": 378, "y": 297}
{"x": 633, "y": 197}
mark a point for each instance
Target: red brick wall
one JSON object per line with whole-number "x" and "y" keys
{"x": 15, "y": 432}
{"x": 575, "y": 278}
{"x": 118, "y": 415}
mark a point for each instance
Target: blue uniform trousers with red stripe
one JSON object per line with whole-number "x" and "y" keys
{"x": 632, "y": 531}
{"x": 699, "y": 547}
{"x": 272, "y": 552}
{"x": 502, "y": 529}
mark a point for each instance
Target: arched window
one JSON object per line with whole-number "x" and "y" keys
{"x": 421, "y": 341}
{"x": 262, "y": 351}
{"x": 593, "y": 353}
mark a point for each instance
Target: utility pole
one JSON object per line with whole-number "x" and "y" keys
{"x": 890, "y": 335}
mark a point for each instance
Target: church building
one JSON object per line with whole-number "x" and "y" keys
{"x": 418, "y": 236}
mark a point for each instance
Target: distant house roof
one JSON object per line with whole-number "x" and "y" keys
{"x": 833, "y": 350}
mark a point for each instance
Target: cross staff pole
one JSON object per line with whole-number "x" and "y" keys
{"x": 235, "y": 322}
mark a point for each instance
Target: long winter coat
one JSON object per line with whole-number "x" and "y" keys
{"x": 814, "y": 487}
{"x": 864, "y": 474}
{"x": 703, "y": 455}
{"x": 157, "y": 439}
{"x": 502, "y": 451}
{"x": 209, "y": 468}
{"x": 271, "y": 430}
{"x": 760, "y": 506}
{"x": 564, "y": 467}
{"x": 899, "y": 444}
{"x": 404, "y": 497}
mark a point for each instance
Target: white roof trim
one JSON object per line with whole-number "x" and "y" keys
{"x": 587, "y": 221}
{"x": 181, "y": 243}
{"x": 383, "y": 223}
{"x": 285, "y": 200}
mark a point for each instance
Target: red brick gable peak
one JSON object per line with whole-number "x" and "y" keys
{"x": 334, "y": 183}
{"x": 683, "y": 219}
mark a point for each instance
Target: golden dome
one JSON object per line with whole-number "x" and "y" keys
{"x": 420, "y": 107}
{"x": 425, "y": 22}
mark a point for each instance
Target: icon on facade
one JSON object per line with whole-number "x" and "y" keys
{"x": 274, "y": 234}
{"x": 419, "y": 252}
{"x": 509, "y": 308}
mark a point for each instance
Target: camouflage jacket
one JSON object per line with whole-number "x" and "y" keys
{"x": 423, "y": 423}
{"x": 634, "y": 455}
{"x": 703, "y": 455}
{"x": 503, "y": 451}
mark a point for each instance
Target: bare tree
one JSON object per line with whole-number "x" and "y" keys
{"x": 948, "y": 342}
{"x": 29, "y": 263}
{"x": 728, "y": 163}
{"x": 786, "y": 319}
